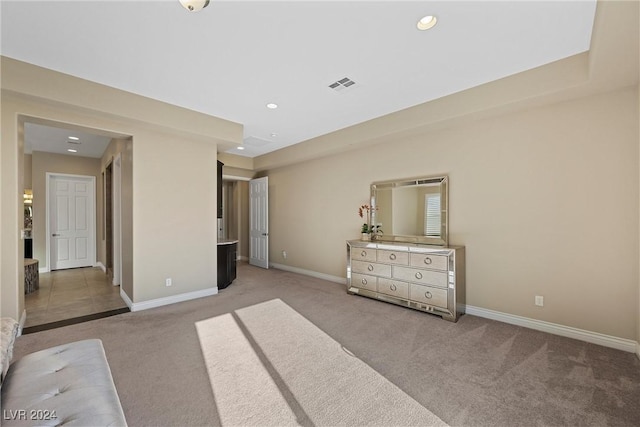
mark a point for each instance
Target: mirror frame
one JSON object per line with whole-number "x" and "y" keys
{"x": 443, "y": 181}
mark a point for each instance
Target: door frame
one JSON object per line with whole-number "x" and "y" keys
{"x": 116, "y": 191}
{"x": 107, "y": 207}
{"x": 92, "y": 219}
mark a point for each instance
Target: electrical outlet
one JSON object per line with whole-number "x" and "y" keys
{"x": 539, "y": 301}
{"x": 284, "y": 254}
{"x": 167, "y": 281}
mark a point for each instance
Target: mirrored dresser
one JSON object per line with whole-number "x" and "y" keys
{"x": 421, "y": 277}
{"x": 407, "y": 261}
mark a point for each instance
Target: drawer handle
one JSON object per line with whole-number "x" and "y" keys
{"x": 418, "y": 275}
{"x": 392, "y": 257}
{"x": 393, "y": 287}
{"x": 370, "y": 268}
{"x": 427, "y": 260}
{"x": 363, "y": 254}
{"x": 428, "y": 295}
{"x": 364, "y": 281}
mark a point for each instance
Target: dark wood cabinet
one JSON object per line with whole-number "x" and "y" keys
{"x": 220, "y": 165}
{"x": 227, "y": 255}
{"x": 28, "y": 248}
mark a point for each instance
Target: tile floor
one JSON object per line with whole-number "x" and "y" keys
{"x": 66, "y": 294}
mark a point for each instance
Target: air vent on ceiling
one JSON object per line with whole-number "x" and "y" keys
{"x": 254, "y": 141}
{"x": 342, "y": 84}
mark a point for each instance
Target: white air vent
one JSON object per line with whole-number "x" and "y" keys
{"x": 342, "y": 84}
{"x": 255, "y": 141}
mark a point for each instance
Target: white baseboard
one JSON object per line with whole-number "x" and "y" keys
{"x": 126, "y": 298}
{"x": 98, "y": 264}
{"x": 22, "y": 321}
{"x": 315, "y": 274}
{"x": 159, "y": 302}
{"x": 556, "y": 329}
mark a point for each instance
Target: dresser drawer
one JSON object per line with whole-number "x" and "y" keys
{"x": 364, "y": 281}
{"x": 427, "y": 277}
{"x": 436, "y": 262}
{"x": 371, "y": 268}
{"x": 393, "y": 288}
{"x": 363, "y": 254}
{"x": 428, "y": 295}
{"x": 393, "y": 257}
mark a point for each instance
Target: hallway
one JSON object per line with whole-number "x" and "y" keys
{"x": 68, "y": 294}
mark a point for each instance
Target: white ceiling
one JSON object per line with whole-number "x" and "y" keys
{"x": 56, "y": 140}
{"x": 232, "y": 58}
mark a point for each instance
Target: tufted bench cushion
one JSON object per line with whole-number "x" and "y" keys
{"x": 8, "y": 332}
{"x": 66, "y": 385}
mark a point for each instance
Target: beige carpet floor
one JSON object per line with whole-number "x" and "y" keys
{"x": 269, "y": 366}
{"x": 475, "y": 372}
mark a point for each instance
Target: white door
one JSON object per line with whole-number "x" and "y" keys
{"x": 71, "y": 208}
{"x": 259, "y": 222}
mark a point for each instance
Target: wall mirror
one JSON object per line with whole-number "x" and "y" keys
{"x": 411, "y": 210}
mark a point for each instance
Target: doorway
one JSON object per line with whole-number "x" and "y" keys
{"x": 70, "y": 293}
{"x": 259, "y": 222}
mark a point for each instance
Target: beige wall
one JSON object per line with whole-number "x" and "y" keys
{"x": 527, "y": 192}
{"x": 11, "y": 213}
{"x": 58, "y": 163}
{"x": 175, "y": 161}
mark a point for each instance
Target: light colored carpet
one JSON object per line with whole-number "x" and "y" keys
{"x": 476, "y": 372}
{"x": 270, "y": 366}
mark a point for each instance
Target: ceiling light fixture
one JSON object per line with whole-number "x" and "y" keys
{"x": 71, "y": 150}
{"x": 74, "y": 138}
{"x": 272, "y": 106}
{"x": 240, "y": 148}
{"x": 427, "y": 22}
{"x": 194, "y": 5}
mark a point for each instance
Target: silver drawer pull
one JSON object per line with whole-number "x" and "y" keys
{"x": 392, "y": 257}
{"x": 393, "y": 287}
{"x": 428, "y": 295}
{"x": 363, "y": 254}
{"x": 418, "y": 275}
{"x": 364, "y": 281}
{"x": 370, "y": 268}
{"x": 427, "y": 260}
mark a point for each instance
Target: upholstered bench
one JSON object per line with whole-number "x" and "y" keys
{"x": 70, "y": 384}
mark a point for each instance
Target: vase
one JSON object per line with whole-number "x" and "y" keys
{"x": 366, "y": 236}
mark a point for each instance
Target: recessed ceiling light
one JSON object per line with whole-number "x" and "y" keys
{"x": 427, "y": 22}
{"x": 240, "y": 148}
{"x": 74, "y": 138}
{"x": 71, "y": 150}
{"x": 273, "y": 135}
{"x": 194, "y": 5}
{"x": 272, "y": 106}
